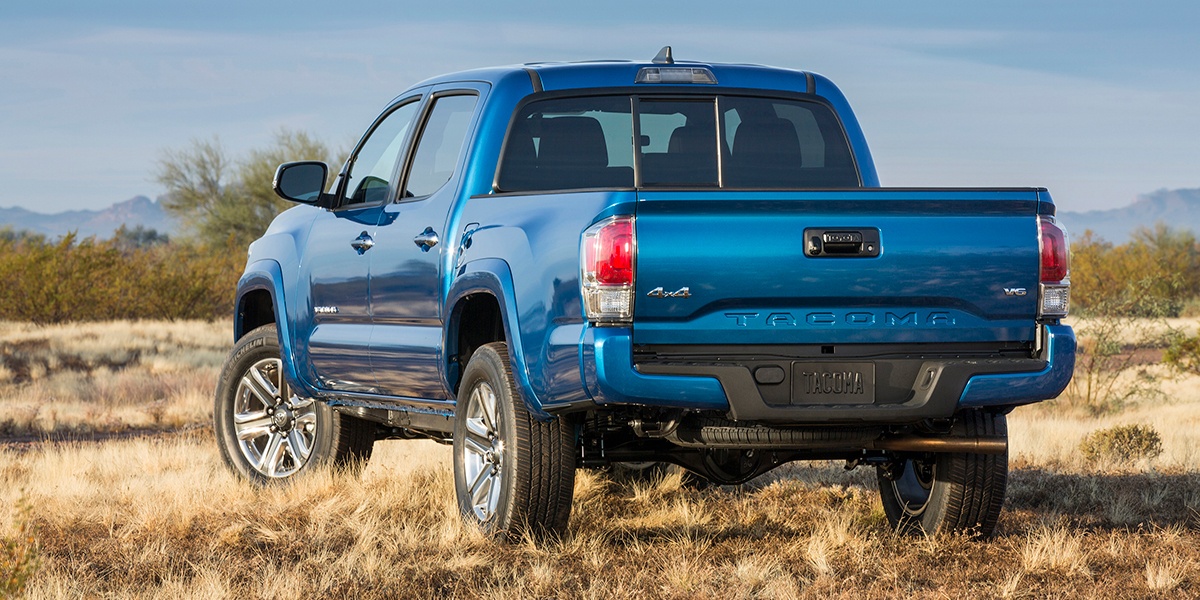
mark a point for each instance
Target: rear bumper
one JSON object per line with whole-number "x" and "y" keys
{"x": 612, "y": 379}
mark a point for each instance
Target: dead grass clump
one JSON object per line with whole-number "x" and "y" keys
{"x": 1165, "y": 574}
{"x": 1055, "y": 549}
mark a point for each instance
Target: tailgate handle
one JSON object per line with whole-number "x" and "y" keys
{"x": 843, "y": 242}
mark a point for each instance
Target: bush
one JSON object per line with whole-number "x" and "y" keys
{"x": 1122, "y": 444}
{"x": 1156, "y": 274}
{"x": 90, "y": 280}
{"x": 18, "y": 554}
{"x": 1108, "y": 342}
{"x": 1183, "y": 354}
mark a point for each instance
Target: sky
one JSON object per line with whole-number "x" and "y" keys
{"x": 1098, "y": 101}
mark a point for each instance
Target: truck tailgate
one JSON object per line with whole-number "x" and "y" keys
{"x": 737, "y": 267}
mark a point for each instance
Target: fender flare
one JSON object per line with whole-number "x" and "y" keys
{"x": 494, "y": 277}
{"x": 266, "y": 275}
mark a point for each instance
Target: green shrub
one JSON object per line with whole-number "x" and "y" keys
{"x": 1122, "y": 444}
{"x": 1183, "y": 354}
{"x": 90, "y": 280}
{"x": 18, "y": 554}
{"x": 1155, "y": 274}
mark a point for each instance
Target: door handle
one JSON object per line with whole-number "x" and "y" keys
{"x": 426, "y": 239}
{"x": 842, "y": 242}
{"x": 362, "y": 243}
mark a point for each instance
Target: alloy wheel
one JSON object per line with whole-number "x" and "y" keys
{"x": 276, "y": 430}
{"x": 483, "y": 452}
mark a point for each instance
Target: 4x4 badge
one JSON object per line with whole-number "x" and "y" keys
{"x": 658, "y": 292}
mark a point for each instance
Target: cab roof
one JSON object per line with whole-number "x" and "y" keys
{"x": 555, "y": 76}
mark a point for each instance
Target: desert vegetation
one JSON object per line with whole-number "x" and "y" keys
{"x": 112, "y": 485}
{"x": 71, "y": 279}
{"x": 1101, "y": 502}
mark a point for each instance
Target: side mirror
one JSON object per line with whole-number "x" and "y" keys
{"x": 302, "y": 182}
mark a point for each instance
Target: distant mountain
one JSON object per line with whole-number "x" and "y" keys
{"x": 1179, "y": 209}
{"x": 135, "y": 211}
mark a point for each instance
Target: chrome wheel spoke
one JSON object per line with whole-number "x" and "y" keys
{"x": 257, "y": 428}
{"x": 481, "y": 479}
{"x": 299, "y": 446}
{"x": 247, "y": 417}
{"x": 305, "y": 419}
{"x": 487, "y": 404}
{"x": 272, "y": 455}
{"x": 261, "y": 387}
{"x": 477, "y": 435}
{"x": 493, "y": 497}
{"x": 298, "y": 403}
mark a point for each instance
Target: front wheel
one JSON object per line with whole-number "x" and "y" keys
{"x": 265, "y": 432}
{"x": 511, "y": 470}
{"x": 949, "y": 492}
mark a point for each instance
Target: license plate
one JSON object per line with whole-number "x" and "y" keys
{"x": 833, "y": 383}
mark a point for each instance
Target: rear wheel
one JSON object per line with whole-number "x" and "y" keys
{"x": 950, "y": 492}
{"x": 265, "y": 432}
{"x": 511, "y": 471}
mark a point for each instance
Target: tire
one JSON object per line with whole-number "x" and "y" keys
{"x": 512, "y": 472}
{"x": 949, "y": 492}
{"x": 268, "y": 434}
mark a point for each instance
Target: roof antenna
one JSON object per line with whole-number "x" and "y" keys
{"x": 664, "y": 57}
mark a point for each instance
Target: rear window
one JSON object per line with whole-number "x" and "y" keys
{"x": 708, "y": 142}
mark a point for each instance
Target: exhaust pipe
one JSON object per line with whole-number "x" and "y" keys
{"x": 969, "y": 445}
{"x": 714, "y": 434}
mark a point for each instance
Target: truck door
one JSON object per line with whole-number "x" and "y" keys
{"x": 414, "y": 243}
{"x": 338, "y": 255}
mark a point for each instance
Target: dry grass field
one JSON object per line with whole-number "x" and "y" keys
{"x": 103, "y": 378}
{"x": 158, "y": 516}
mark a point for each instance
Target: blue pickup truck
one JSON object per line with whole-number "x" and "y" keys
{"x": 626, "y": 263}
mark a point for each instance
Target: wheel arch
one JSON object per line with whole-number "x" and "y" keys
{"x": 481, "y": 306}
{"x": 261, "y": 301}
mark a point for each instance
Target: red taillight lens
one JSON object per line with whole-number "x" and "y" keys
{"x": 608, "y": 257}
{"x": 610, "y": 253}
{"x": 1055, "y": 251}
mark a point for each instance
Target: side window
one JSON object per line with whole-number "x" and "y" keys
{"x": 440, "y": 146}
{"x": 370, "y": 173}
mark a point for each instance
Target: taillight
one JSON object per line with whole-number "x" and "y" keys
{"x": 1056, "y": 254}
{"x": 607, "y": 254}
{"x": 1055, "y": 277}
